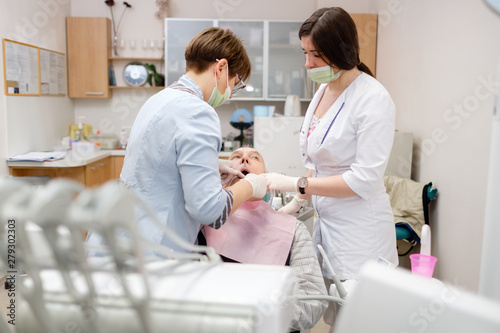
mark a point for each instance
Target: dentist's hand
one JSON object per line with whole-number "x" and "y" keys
{"x": 228, "y": 170}
{"x": 259, "y": 185}
{"x": 281, "y": 182}
{"x": 293, "y": 206}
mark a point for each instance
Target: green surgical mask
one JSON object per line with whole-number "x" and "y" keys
{"x": 216, "y": 98}
{"x": 323, "y": 74}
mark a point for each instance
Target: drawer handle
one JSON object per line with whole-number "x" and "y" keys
{"x": 98, "y": 165}
{"x": 94, "y": 93}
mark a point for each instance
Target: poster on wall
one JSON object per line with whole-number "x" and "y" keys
{"x": 32, "y": 71}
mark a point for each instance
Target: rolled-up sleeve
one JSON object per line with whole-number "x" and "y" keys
{"x": 375, "y": 136}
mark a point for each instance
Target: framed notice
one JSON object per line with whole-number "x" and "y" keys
{"x": 52, "y": 73}
{"x": 33, "y": 71}
{"x": 21, "y": 68}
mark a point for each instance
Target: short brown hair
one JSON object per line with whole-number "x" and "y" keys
{"x": 335, "y": 37}
{"x": 216, "y": 43}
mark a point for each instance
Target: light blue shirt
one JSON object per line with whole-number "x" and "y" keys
{"x": 171, "y": 163}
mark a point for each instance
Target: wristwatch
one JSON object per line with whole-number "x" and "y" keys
{"x": 302, "y": 184}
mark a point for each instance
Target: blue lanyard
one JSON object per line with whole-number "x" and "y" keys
{"x": 328, "y": 130}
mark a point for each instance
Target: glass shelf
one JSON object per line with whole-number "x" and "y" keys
{"x": 132, "y": 87}
{"x": 136, "y": 59}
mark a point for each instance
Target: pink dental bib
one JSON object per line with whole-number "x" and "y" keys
{"x": 254, "y": 234}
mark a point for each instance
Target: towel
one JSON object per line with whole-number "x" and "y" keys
{"x": 38, "y": 156}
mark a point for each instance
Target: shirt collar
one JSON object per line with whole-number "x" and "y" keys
{"x": 188, "y": 82}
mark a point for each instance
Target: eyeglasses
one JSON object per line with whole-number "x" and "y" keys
{"x": 239, "y": 85}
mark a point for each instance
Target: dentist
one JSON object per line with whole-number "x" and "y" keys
{"x": 345, "y": 143}
{"x": 171, "y": 161}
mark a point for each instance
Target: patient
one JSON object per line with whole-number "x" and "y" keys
{"x": 256, "y": 234}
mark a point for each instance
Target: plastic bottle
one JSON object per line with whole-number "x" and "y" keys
{"x": 79, "y": 133}
{"x": 123, "y": 136}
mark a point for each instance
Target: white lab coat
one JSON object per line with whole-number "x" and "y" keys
{"x": 354, "y": 139}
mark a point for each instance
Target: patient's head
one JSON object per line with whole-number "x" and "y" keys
{"x": 249, "y": 160}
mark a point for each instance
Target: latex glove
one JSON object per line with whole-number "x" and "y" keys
{"x": 259, "y": 185}
{"x": 293, "y": 206}
{"x": 281, "y": 182}
{"x": 228, "y": 170}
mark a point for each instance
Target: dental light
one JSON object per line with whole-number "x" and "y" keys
{"x": 132, "y": 288}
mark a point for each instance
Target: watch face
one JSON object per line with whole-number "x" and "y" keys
{"x": 135, "y": 74}
{"x": 302, "y": 182}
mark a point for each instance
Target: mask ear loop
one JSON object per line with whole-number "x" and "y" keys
{"x": 215, "y": 74}
{"x": 227, "y": 75}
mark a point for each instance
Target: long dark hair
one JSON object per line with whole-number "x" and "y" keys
{"x": 334, "y": 36}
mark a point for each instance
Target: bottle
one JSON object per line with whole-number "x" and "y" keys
{"x": 79, "y": 133}
{"x": 123, "y": 136}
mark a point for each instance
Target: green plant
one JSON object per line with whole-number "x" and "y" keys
{"x": 159, "y": 79}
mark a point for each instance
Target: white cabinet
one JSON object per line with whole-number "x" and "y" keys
{"x": 178, "y": 33}
{"x": 252, "y": 35}
{"x": 286, "y": 73}
{"x": 273, "y": 47}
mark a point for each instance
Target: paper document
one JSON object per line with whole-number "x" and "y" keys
{"x": 38, "y": 156}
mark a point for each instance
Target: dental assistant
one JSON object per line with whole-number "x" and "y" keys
{"x": 171, "y": 161}
{"x": 345, "y": 143}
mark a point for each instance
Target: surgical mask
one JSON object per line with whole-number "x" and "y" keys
{"x": 323, "y": 74}
{"x": 216, "y": 98}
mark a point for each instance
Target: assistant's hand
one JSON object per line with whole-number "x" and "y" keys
{"x": 281, "y": 182}
{"x": 259, "y": 185}
{"x": 228, "y": 169}
{"x": 293, "y": 206}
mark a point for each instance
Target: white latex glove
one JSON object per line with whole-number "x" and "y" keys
{"x": 281, "y": 182}
{"x": 259, "y": 185}
{"x": 293, "y": 206}
{"x": 228, "y": 170}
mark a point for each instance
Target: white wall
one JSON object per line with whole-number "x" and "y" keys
{"x": 436, "y": 58}
{"x": 33, "y": 123}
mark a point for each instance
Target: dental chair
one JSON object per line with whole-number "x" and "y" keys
{"x": 410, "y": 206}
{"x": 410, "y": 200}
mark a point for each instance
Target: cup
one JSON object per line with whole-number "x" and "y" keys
{"x": 422, "y": 264}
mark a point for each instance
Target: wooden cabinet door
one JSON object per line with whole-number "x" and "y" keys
{"x": 366, "y": 25}
{"x": 89, "y": 50}
{"x": 116, "y": 166}
{"x": 76, "y": 173}
{"x": 98, "y": 173}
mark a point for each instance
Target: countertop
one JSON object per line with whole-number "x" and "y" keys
{"x": 71, "y": 160}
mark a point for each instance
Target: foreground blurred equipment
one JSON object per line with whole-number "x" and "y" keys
{"x": 129, "y": 287}
{"x": 388, "y": 300}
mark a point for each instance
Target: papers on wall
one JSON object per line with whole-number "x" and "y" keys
{"x": 33, "y": 71}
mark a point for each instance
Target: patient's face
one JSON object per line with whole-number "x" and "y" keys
{"x": 249, "y": 160}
